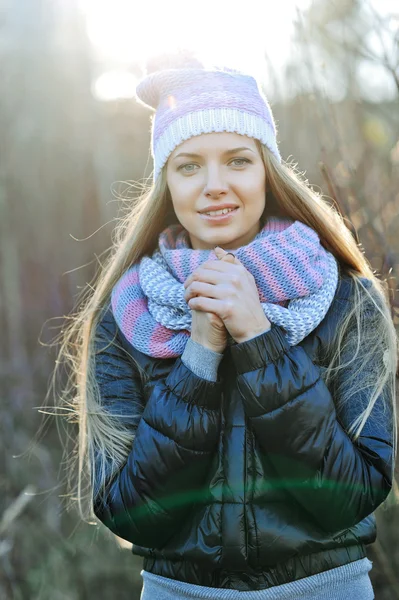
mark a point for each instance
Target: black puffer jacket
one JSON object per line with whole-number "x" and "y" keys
{"x": 251, "y": 481}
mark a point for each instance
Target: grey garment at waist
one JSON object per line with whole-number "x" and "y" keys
{"x": 350, "y": 581}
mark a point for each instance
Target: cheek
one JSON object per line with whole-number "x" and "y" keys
{"x": 253, "y": 191}
{"x": 260, "y": 188}
{"x": 183, "y": 194}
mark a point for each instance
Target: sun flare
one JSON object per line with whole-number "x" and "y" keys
{"x": 225, "y": 32}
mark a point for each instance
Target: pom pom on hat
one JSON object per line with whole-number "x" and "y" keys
{"x": 159, "y": 69}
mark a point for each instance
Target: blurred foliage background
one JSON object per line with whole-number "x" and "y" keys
{"x": 72, "y": 140}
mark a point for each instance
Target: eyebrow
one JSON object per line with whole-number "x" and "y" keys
{"x": 232, "y": 151}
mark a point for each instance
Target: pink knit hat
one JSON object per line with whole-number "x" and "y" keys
{"x": 191, "y": 99}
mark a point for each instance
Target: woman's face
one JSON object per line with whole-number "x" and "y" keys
{"x": 214, "y": 169}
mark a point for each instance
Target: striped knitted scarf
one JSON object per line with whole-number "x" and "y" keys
{"x": 295, "y": 276}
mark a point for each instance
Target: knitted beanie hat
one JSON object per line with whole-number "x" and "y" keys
{"x": 191, "y": 99}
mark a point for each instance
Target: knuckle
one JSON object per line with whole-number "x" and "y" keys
{"x": 235, "y": 279}
{"x": 197, "y": 275}
{"x": 228, "y": 307}
{"x": 198, "y": 286}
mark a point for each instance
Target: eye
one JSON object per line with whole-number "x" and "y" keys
{"x": 243, "y": 160}
{"x": 183, "y": 168}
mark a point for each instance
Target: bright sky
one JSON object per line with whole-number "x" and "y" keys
{"x": 231, "y": 32}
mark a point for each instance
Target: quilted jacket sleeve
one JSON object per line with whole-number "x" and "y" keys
{"x": 303, "y": 439}
{"x": 149, "y": 497}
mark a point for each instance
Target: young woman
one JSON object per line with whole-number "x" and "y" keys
{"x": 235, "y": 365}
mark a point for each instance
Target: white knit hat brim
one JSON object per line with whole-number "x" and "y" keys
{"x": 208, "y": 121}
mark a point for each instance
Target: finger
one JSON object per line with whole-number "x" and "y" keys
{"x": 221, "y": 253}
{"x": 222, "y": 265}
{"x": 207, "y": 305}
{"x": 209, "y": 275}
{"x": 229, "y": 257}
{"x": 226, "y": 255}
{"x": 200, "y": 288}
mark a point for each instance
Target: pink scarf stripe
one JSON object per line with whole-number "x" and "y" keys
{"x": 285, "y": 258}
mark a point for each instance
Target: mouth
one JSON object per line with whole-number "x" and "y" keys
{"x": 219, "y": 218}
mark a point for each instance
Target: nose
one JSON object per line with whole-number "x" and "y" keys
{"x": 215, "y": 186}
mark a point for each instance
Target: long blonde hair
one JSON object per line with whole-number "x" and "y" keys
{"x": 102, "y": 435}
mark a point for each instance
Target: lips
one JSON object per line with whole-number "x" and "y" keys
{"x": 214, "y": 208}
{"x": 217, "y": 218}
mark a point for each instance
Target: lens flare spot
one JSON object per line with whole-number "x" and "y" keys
{"x": 172, "y": 102}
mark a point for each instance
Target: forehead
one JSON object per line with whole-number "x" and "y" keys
{"x": 215, "y": 141}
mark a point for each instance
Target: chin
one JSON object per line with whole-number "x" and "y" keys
{"x": 216, "y": 240}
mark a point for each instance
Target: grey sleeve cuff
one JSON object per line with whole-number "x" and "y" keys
{"x": 201, "y": 360}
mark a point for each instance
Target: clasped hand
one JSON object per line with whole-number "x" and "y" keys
{"x": 228, "y": 289}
